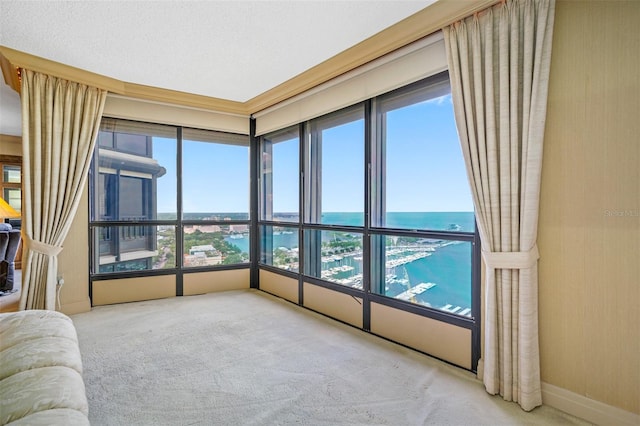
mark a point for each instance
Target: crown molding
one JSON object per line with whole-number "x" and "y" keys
{"x": 419, "y": 25}
{"x": 17, "y": 60}
{"x": 10, "y": 72}
{"x": 174, "y": 97}
{"x": 12, "y": 61}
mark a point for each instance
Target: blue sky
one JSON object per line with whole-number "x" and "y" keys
{"x": 215, "y": 177}
{"x": 425, "y": 171}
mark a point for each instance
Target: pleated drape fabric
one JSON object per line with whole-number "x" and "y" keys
{"x": 499, "y": 64}
{"x": 60, "y": 123}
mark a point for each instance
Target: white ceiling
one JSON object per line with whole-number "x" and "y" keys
{"x": 233, "y": 50}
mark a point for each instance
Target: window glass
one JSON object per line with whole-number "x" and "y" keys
{"x": 279, "y": 247}
{"x": 210, "y": 245}
{"x": 105, "y": 139}
{"x": 136, "y": 144}
{"x": 430, "y": 272}
{"x": 280, "y": 173}
{"x": 215, "y": 175}
{"x": 134, "y": 248}
{"x": 13, "y": 197}
{"x": 334, "y": 256}
{"x": 335, "y": 179}
{"x": 135, "y": 180}
{"x": 422, "y": 177}
{"x": 133, "y": 197}
{"x": 11, "y": 190}
{"x": 10, "y": 174}
{"x": 135, "y": 183}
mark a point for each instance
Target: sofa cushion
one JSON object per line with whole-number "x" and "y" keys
{"x": 16, "y": 327}
{"x": 37, "y": 353}
{"x": 41, "y": 389}
{"x": 57, "y": 416}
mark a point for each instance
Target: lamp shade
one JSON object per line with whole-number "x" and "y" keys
{"x": 6, "y": 211}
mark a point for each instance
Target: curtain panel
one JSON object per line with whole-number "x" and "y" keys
{"x": 60, "y": 123}
{"x": 499, "y": 63}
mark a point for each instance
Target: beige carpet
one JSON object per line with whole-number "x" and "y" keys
{"x": 247, "y": 358}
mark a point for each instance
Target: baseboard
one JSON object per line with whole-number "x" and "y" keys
{"x": 588, "y": 409}
{"x": 76, "y": 307}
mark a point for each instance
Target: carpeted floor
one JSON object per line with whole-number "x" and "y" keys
{"x": 247, "y": 358}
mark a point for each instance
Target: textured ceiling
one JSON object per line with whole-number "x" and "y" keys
{"x": 227, "y": 49}
{"x": 233, "y": 50}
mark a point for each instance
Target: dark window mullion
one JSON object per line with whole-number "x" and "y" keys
{"x": 476, "y": 286}
{"x": 254, "y": 171}
{"x": 179, "y": 233}
{"x": 115, "y": 200}
{"x": 369, "y": 129}
{"x": 301, "y": 210}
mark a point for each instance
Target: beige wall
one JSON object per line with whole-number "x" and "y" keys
{"x": 281, "y": 286}
{"x": 589, "y": 231}
{"x": 445, "y": 341}
{"x": 10, "y": 145}
{"x": 108, "y": 292}
{"x": 337, "y": 305}
{"x": 73, "y": 262}
{"x": 212, "y": 281}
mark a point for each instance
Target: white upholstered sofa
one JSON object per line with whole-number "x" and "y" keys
{"x": 40, "y": 370}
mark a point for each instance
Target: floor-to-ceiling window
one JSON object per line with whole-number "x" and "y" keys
{"x": 385, "y": 211}
{"x": 368, "y": 204}
{"x": 215, "y": 194}
{"x": 422, "y": 220}
{"x": 167, "y": 199}
{"x": 279, "y": 199}
{"x": 334, "y": 202}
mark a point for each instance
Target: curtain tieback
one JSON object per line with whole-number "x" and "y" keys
{"x": 511, "y": 259}
{"x": 40, "y": 247}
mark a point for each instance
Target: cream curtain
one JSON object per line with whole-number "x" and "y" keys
{"x": 499, "y": 68}
{"x": 60, "y": 122}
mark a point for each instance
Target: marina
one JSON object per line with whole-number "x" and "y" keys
{"x": 424, "y": 271}
{"x": 414, "y": 291}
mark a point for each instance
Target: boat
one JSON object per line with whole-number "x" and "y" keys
{"x": 465, "y": 312}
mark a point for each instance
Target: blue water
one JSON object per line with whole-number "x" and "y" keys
{"x": 449, "y": 266}
{"x": 435, "y": 221}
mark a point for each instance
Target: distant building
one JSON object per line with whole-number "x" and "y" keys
{"x": 202, "y": 249}
{"x": 190, "y": 229}
{"x": 126, "y": 191}
{"x": 203, "y": 255}
{"x": 239, "y": 228}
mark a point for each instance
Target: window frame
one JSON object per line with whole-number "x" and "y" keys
{"x": 265, "y": 180}
{"x": 373, "y": 170}
{"x": 11, "y": 162}
{"x": 179, "y": 223}
{"x": 256, "y": 223}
